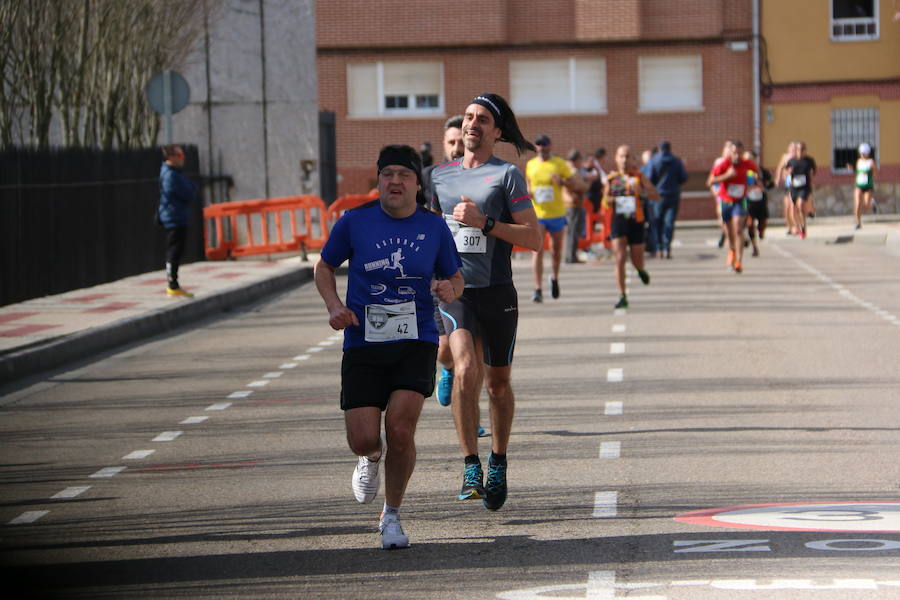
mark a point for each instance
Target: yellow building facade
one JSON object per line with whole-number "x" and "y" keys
{"x": 830, "y": 77}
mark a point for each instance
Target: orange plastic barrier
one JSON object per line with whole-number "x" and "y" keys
{"x": 603, "y": 218}
{"x": 523, "y": 249}
{"x": 337, "y": 208}
{"x": 243, "y": 228}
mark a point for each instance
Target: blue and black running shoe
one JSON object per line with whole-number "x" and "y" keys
{"x": 472, "y": 487}
{"x": 496, "y": 486}
{"x": 445, "y": 387}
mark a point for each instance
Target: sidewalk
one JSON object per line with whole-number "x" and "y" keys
{"x": 45, "y": 333}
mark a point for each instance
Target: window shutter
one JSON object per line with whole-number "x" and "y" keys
{"x": 412, "y": 78}
{"x": 362, "y": 89}
{"x": 590, "y": 85}
{"x": 670, "y": 83}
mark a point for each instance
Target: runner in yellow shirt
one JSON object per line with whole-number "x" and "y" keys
{"x": 546, "y": 176}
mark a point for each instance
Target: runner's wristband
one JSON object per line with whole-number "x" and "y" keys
{"x": 488, "y": 225}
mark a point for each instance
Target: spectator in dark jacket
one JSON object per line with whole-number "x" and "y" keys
{"x": 668, "y": 175}
{"x": 176, "y": 194}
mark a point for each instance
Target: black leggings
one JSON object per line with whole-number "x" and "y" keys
{"x": 175, "y": 238}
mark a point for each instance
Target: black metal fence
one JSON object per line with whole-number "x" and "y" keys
{"x": 73, "y": 218}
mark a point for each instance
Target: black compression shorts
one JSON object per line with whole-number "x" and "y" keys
{"x": 491, "y": 313}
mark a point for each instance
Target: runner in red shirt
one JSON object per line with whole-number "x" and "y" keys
{"x": 731, "y": 174}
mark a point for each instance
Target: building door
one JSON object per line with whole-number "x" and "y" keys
{"x": 327, "y": 156}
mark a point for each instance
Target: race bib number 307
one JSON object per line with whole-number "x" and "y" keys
{"x": 469, "y": 240}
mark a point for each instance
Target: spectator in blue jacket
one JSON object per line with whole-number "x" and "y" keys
{"x": 668, "y": 175}
{"x": 176, "y": 194}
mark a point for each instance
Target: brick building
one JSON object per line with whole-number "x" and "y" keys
{"x": 588, "y": 73}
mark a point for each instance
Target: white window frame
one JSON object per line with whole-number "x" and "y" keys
{"x": 411, "y": 110}
{"x": 572, "y": 89}
{"x": 853, "y": 37}
{"x": 873, "y": 119}
{"x": 642, "y": 108}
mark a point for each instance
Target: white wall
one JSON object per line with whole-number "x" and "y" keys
{"x": 239, "y": 140}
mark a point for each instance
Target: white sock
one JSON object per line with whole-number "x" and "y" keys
{"x": 390, "y": 513}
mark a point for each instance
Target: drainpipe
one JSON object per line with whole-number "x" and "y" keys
{"x": 757, "y": 144}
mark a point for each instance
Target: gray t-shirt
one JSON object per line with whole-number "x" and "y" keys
{"x": 499, "y": 190}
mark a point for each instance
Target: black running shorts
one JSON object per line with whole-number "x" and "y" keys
{"x": 369, "y": 374}
{"x": 491, "y": 313}
{"x": 758, "y": 209}
{"x": 801, "y": 193}
{"x": 628, "y": 228}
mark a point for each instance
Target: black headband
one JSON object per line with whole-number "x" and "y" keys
{"x": 397, "y": 157}
{"x": 492, "y": 107}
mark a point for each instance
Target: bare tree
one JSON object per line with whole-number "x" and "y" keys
{"x": 9, "y": 105}
{"x": 87, "y": 62}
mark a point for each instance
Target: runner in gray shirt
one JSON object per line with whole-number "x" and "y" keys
{"x": 487, "y": 206}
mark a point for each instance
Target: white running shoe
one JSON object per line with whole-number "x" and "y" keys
{"x": 365, "y": 479}
{"x": 392, "y": 536}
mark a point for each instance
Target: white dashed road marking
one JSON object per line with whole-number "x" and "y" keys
{"x": 273, "y": 375}
{"x": 193, "y": 420}
{"x": 617, "y": 348}
{"x": 107, "y": 472}
{"x": 613, "y": 407}
{"x": 138, "y": 454}
{"x": 301, "y": 357}
{"x": 614, "y": 375}
{"x": 167, "y": 436}
{"x": 315, "y": 349}
{"x": 605, "y": 505}
{"x": 610, "y": 450}
{"x": 618, "y": 328}
{"x": 619, "y": 312}
{"x": 327, "y": 343}
{"x": 289, "y": 365}
{"x": 840, "y": 289}
{"x": 28, "y": 517}
{"x": 218, "y": 406}
{"x": 70, "y": 492}
{"x": 240, "y": 394}
{"x": 258, "y": 383}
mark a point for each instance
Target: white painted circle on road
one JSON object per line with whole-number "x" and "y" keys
{"x": 883, "y": 517}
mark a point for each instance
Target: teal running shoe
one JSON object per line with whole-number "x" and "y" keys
{"x": 495, "y": 488}
{"x": 445, "y": 387}
{"x": 472, "y": 487}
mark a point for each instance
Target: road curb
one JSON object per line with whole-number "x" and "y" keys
{"x": 67, "y": 349}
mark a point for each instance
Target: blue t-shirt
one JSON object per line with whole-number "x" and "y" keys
{"x": 392, "y": 262}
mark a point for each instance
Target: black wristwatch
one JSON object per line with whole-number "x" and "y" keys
{"x": 488, "y": 225}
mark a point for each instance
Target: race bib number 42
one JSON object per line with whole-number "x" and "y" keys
{"x": 389, "y": 322}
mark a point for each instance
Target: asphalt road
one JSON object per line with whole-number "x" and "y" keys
{"x": 212, "y": 463}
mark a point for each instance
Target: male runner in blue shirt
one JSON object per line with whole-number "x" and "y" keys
{"x": 395, "y": 248}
